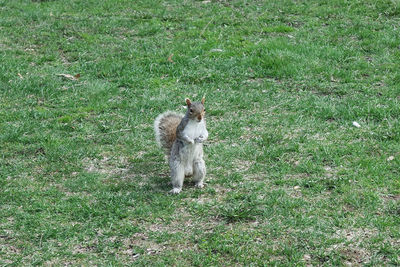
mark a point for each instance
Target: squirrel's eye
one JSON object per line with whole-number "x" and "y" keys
{"x": 191, "y": 110}
{"x": 204, "y": 110}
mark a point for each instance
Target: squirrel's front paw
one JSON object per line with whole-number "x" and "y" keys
{"x": 199, "y": 139}
{"x": 191, "y": 141}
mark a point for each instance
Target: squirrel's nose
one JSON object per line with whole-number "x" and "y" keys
{"x": 199, "y": 117}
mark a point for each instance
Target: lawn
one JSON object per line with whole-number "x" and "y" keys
{"x": 292, "y": 180}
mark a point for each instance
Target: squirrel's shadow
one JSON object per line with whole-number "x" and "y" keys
{"x": 148, "y": 174}
{"x": 152, "y": 174}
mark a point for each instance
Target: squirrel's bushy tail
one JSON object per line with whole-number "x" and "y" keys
{"x": 165, "y": 129}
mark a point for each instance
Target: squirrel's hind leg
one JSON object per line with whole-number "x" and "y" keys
{"x": 199, "y": 172}
{"x": 177, "y": 176}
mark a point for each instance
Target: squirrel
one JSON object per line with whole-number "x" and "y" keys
{"x": 182, "y": 137}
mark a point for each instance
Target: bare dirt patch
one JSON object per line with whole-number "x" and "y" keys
{"x": 106, "y": 165}
{"x": 352, "y": 247}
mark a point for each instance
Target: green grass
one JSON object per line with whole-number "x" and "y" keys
{"x": 290, "y": 180}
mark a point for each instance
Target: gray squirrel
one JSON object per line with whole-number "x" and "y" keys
{"x": 182, "y": 137}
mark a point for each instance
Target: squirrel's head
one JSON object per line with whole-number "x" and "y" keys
{"x": 196, "y": 110}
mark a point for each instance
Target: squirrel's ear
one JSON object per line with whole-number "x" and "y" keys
{"x": 203, "y": 100}
{"x": 188, "y": 102}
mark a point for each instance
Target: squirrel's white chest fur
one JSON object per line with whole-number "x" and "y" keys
{"x": 195, "y": 129}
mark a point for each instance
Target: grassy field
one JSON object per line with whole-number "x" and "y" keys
{"x": 291, "y": 180}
